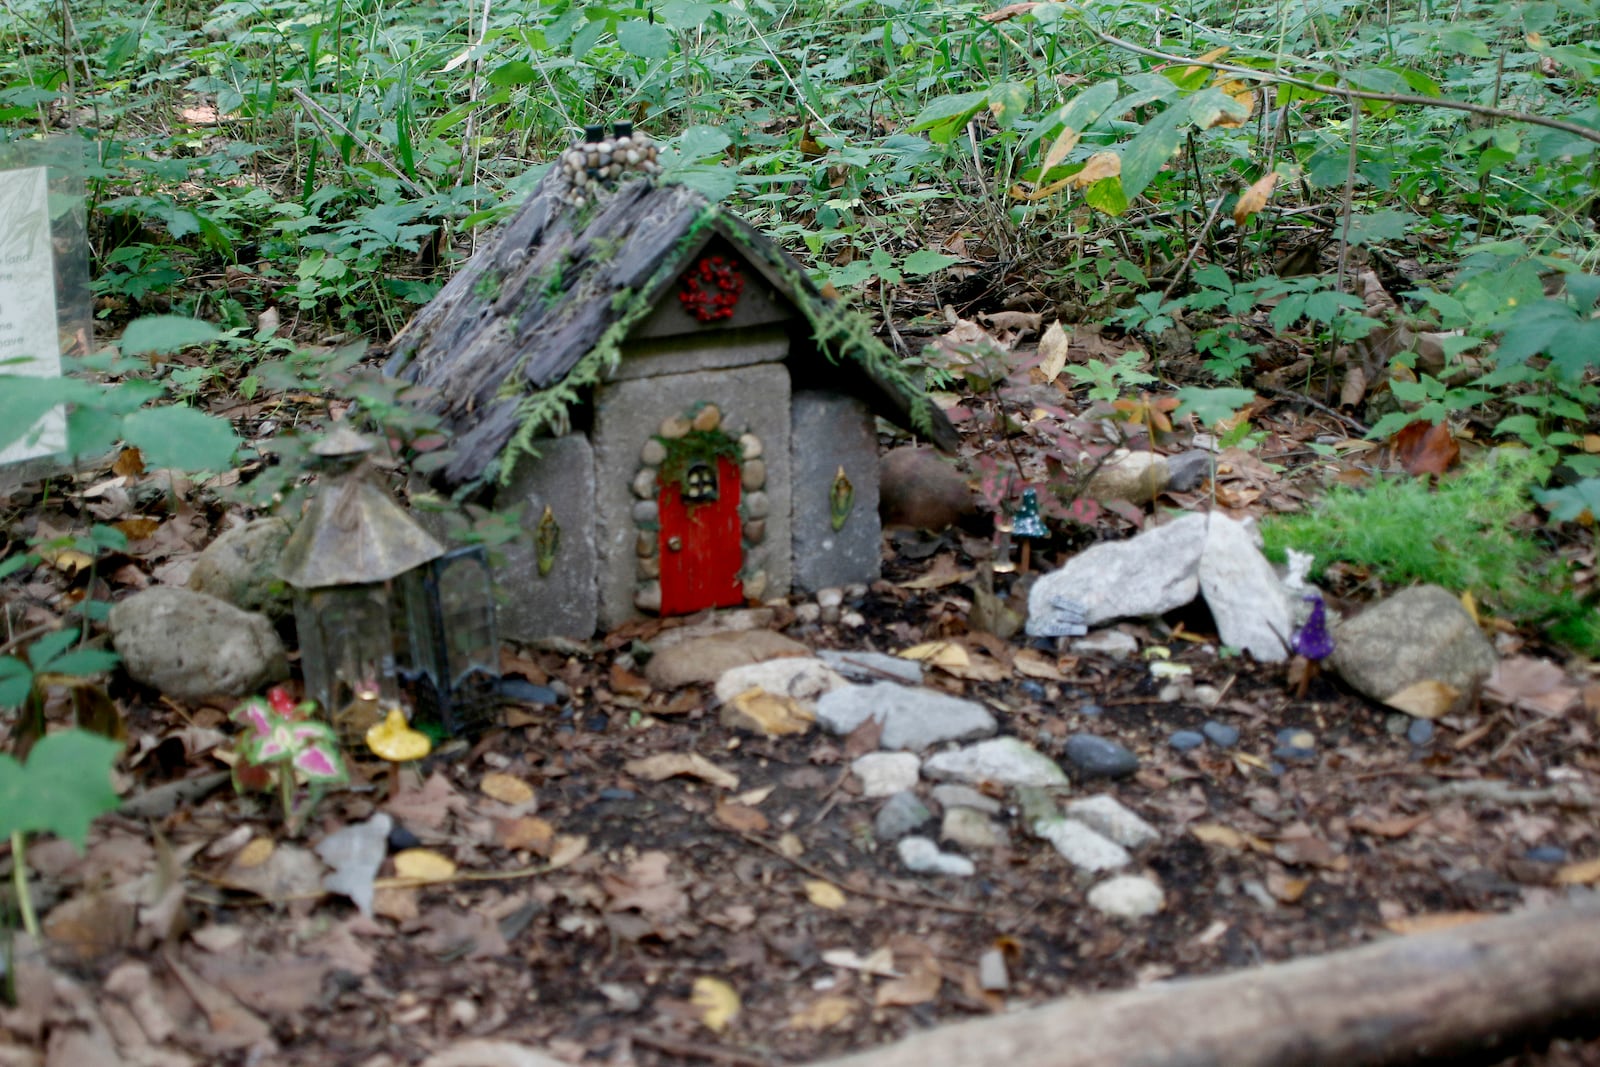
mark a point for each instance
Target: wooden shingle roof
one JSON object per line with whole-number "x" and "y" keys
{"x": 515, "y": 339}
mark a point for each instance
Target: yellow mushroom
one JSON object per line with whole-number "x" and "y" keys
{"x": 394, "y": 740}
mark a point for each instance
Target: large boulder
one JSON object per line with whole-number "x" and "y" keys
{"x": 190, "y": 645}
{"x": 1422, "y": 634}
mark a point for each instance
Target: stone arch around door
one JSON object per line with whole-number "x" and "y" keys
{"x": 700, "y": 514}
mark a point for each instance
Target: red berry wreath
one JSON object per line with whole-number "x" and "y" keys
{"x": 710, "y": 289}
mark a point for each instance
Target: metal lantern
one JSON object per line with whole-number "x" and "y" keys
{"x": 387, "y": 618}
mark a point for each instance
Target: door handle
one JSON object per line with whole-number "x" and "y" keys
{"x": 675, "y": 544}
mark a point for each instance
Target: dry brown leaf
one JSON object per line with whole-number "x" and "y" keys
{"x": 1065, "y": 142}
{"x": 423, "y": 865}
{"x": 1536, "y": 684}
{"x": 826, "y": 1013}
{"x": 943, "y": 572}
{"x": 738, "y": 817}
{"x": 1427, "y": 699}
{"x": 763, "y": 712}
{"x": 1053, "y": 347}
{"x": 1031, "y": 663}
{"x": 528, "y": 832}
{"x": 1010, "y": 11}
{"x": 824, "y": 894}
{"x": 1100, "y": 165}
{"x": 1229, "y": 838}
{"x": 506, "y": 788}
{"x": 1286, "y": 890}
{"x": 567, "y": 848}
{"x": 257, "y": 852}
{"x": 1424, "y": 924}
{"x": 1395, "y": 826}
{"x": 1425, "y": 448}
{"x": 625, "y": 683}
{"x": 129, "y": 464}
{"x": 1585, "y": 873}
{"x": 688, "y": 764}
{"x": 647, "y": 887}
{"x": 1254, "y": 198}
{"x": 919, "y": 986}
{"x": 717, "y": 1001}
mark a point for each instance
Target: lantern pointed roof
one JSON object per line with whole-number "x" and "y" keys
{"x": 354, "y": 534}
{"x": 538, "y": 316}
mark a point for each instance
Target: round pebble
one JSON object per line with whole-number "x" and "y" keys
{"x": 1097, "y": 757}
{"x": 1091, "y": 709}
{"x": 1546, "y": 854}
{"x": 1186, "y": 740}
{"x": 1033, "y": 689}
{"x": 1420, "y": 732}
{"x": 1296, "y": 745}
{"x": 1221, "y": 734}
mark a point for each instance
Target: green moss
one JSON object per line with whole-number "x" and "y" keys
{"x": 696, "y": 446}
{"x": 1472, "y": 533}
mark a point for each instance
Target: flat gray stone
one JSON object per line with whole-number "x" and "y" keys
{"x": 1416, "y": 635}
{"x": 900, "y": 814}
{"x": 800, "y": 677}
{"x": 923, "y": 856}
{"x": 190, "y": 645}
{"x": 913, "y": 719}
{"x": 1082, "y": 847}
{"x": 883, "y": 774}
{"x": 1149, "y": 574}
{"x": 562, "y": 602}
{"x": 1187, "y": 470}
{"x": 1005, "y": 760}
{"x": 1247, "y": 601}
{"x": 1127, "y": 896}
{"x": 628, "y": 413}
{"x": 709, "y": 657}
{"x": 1138, "y": 477}
{"x": 1106, "y": 816}
{"x": 872, "y": 666}
{"x": 1098, "y": 757}
{"x": 833, "y": 432}
{"x": 956, "y": 795}
{"x": 241, "y": 567}
{"x": 1112, "y": 643}
{"x": 971, "y": 829}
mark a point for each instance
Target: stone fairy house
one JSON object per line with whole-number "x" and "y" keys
{"x": 680, "y": 417}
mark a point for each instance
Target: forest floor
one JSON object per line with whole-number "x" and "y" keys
{"x": 749, "y": 915}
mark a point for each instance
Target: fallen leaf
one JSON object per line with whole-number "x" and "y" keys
{"x": 1053, "y": 347}
{"x": 625, "y": 683}
{"x": 254, "y": 854}
{"x": 1427, "y": 699}
{"x": 790, "y": 846}
{"x": 717, "y": 1001}
{"x": 129, "y": 463}
{"x": 1099, "y": 166}
{"x": 1286, "y": 890}
{"x": 506, "y": 788}
{"x": 739, "y": 817}
{"x": 1229, "y": 838}
{"x": 688, "y": 764}
{"x": 826, "y": 1013}
{"x": 755, "y": 796}
{"x": 1536, "y": 684}
{"x": 763, "y": 712}
{"x": 1583, "y": 873}
{"x": 528, "y": 832}
{"x": 1010, "y": 11}
{"x": 1425, "y": 448}
{"x": 918, "y": 987}
{"x": 1396, "y": 826}
{"x": 567, "y": 848}
{"x": 423, "y": 865}
{"x": 1031, "y": 663}
{"x": 943, "y": 572}
{"x": 647, "y": 887}
{"x": 824, "y": 894}
{"x": 879, "y": 961}
{"x": 1254, "y": 198}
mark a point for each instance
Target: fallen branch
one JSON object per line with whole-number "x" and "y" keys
{"x": 1428, "y": 995}
{"x": 1565, "y": 794}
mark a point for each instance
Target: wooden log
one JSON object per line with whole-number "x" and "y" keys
{"x": 1424, "y": 996}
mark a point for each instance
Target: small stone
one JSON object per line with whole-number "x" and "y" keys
{"x": 1396, "y": 723}
{"x": 913, "y": 719}
{"x": 644, "y": 512}
{"x": 750, "y": 446}
{"x": 883, "y": 774}
{"x": 971, "y": 829}
{"x": 648, "y": 598}
{"x": 755, "y": 584}
{"x": 923, "y": 856}
{"x": 241, "y": 567}
{"x": 1221, "y": 734}
{"x": 1112, "y": 643}
{"x": 1207, "y": 696}
{"x": 1186, "y": 740}
{"x": 1296, "y": 745}
{"x": 870, "y": 666}
{"x": 1097, "y": 757}
{"x": 644, "y": 483}
{"x": 1033, "y": 689}
{"x": 1127, "y": 896}
{"x": 1005, "y": 760}
{"x": 653, "y": 454}
{"x": 992, "y": 976}
{"x": 707, "y": 418}
{"x": 645, "y": 543}
{"x": 853, "y": 620}
{"x": 756, "y": 505}
{"x": 955, "y": 795}
{"x": 753, "y": 475}
{"x": 755, "y": 531}
{"x": 675, "y": 427}
{"x": 1091, "y": 709}
{"x": 1420, "y": 732}
{"x": 649, "y": 567}
{"x": 900, "y": 814}
{"x": 1106, "y": 815}
{"x": 1081, "y": 846}
{"x": 806, "y": 613}
{"x": 1546, "y": 854}
{"x": 1035, "y": 804}
{"x": 830, "y": 598}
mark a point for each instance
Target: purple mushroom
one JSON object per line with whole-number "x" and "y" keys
{"x": 1311, "y": 640}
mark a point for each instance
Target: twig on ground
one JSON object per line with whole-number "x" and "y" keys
{"x": 1564, "y": 794}
{"x": 875, "y": 894}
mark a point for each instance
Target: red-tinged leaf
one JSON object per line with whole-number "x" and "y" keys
{"x": 1425, "y": 448}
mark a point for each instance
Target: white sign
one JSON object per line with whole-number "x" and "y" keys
{"x": 29, "y": 341}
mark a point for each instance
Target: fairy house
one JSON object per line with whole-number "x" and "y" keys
{"x": 680, "y": 418}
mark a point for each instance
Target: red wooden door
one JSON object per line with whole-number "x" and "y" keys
{"x": 701, "y": 549}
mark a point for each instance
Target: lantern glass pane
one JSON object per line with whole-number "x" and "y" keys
{"x": 347, "y": 653}
{"x": 452, "y": 668}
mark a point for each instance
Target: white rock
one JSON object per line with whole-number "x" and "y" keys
{"x": 1005, "y": 760}
{"x": 1248, "y": 602}
{"x": 923, "y": 856}
{"x": 913, "y": 719}
{"x": 955, "y": 795}
{"x": 1081, "y": 846}
{"x": 190, "y": 645}
{"x": 1110, "y": 642}
{"x": 1105, "y": 815}
{"x": 992, "y": 975}
{"x": 883, "y": 774}
{"x": 1145, "y": 575}
{"x": 1127, "y": 896}
{"x": 799, "y": 677}
{"x": 971, "y": 829}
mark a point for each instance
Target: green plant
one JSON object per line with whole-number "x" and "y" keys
{"x": 1109, "y": 379}
{"x": 1470, "y": 533}
{"x": 284, "y": 746}
{"x": 64, "y": 785}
